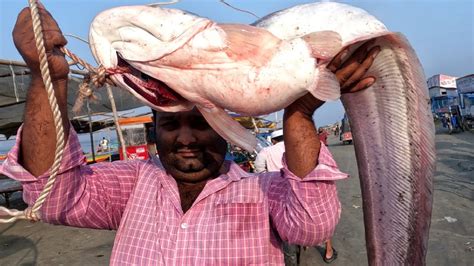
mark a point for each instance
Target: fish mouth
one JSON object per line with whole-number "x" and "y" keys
{"x": 154, "y": 91}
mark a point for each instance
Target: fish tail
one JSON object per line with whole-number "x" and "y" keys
{"x": 393, "y": 133}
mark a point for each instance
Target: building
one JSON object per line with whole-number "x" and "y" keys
{"x": 465, "y": 87}
{"x": 443, "y": 93}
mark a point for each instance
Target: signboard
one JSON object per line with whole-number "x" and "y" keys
{"x": 441, "y": 80}
{"x": 136, "y": 152}
{"x": 465, "y": 84}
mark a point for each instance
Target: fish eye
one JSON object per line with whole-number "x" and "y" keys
{"x": 144, "y": 76}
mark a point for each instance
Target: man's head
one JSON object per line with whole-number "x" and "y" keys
{"x": 277, "y": 136}
{"x": 190, "y": 150}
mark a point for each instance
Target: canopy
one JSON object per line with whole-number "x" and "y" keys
{"x": 14, "y": 82}
{"x": 251, "y": 122}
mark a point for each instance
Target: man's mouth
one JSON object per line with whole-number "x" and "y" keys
{"x": 154, "y": 91}
{"x": 188, "y": 153}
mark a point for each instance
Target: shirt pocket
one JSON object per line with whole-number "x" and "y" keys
{"x": 239, "y": 211}
{"x": 242, "y": 227}
{"x": 240, "y": 215}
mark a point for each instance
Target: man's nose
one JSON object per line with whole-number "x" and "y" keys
{"x": 186, "y": 136}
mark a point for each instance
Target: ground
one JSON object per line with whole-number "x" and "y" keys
{"x": 451, "y": 237}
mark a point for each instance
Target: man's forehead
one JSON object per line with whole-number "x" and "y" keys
{"x": 176, "y": 115}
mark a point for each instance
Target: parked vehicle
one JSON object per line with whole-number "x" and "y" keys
{"x": 452, "y": 119}
{"x": 345, "y": 131}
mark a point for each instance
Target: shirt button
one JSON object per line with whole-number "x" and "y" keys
{"x": 184, "y": 225}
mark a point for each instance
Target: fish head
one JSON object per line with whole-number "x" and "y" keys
{"x": 128, "y": 40}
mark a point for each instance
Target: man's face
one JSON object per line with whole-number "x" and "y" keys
{"x": 190, "y": 150}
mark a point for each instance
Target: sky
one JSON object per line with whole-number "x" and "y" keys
{"x": 440, "y": 31}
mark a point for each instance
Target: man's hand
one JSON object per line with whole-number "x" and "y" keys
{"x": 24, "y": 40}
{"x": 301, "y": 139}
{"x": 37, "y": 143}
{"x": 350, "y": 72}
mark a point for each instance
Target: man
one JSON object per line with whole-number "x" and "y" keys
{"x": 104, "y": 145}
{"x": 189, "y": 207}
{"x": 323, "y": 136}
{"x": 269, "y": 159}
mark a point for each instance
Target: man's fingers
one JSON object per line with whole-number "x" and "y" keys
{"x": 346, "y": 73}
{"x": 359, "y": 54}
{"x": 337, "y": 60}
{"x": 52, "y": 33}
{"x": 54, "y": 39}
{"x": 362, "y": 69}
{"x": 363, "y": 84}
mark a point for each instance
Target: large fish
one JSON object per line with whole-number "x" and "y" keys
{"x": 173, "y": 61}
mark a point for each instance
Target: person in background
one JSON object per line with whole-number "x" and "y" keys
{"x": 269, "y": 158}
{"x": 330, "y": 253}
{"x": 104, "y": 144}
{"x": 323, "y": 136}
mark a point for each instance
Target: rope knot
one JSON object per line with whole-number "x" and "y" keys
{"x": 100, "y": 77}
{"x": 85, "y": 92}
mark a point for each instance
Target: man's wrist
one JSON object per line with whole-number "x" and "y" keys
{"x": 37, "y": 79}
{"x": 305, "y": 105}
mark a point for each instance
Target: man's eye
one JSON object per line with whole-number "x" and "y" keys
{"x": 170, "y": 125}
{"x": 200, "y": 124}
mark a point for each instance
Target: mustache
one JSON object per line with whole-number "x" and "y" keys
{"x": 192, "y": 146}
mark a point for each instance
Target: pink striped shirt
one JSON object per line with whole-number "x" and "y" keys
{"x": 238, "y": 219}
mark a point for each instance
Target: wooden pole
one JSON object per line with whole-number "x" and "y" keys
{"x": 90, "y": 129}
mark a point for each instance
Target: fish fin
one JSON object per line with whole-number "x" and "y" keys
{"x": 324, "y": 44}
{"x": 325, "y": 86}
{"x": 228, "y": 128}
{"x": 250, "y": 43}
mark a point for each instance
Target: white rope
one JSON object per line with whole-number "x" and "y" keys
{"x": 14, "y": 83}
{"x": 31, "y": 213}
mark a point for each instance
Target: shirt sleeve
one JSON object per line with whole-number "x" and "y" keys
{"x": 82, "y": 195}
{"x": 260, "y": 161}
{"x": 306, "y": 211}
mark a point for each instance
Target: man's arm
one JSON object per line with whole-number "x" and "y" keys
{"x": 39, "y": 134}
{"x": 302, "y": 143}
{"x": 304, "y": 205}
{"x": 85, "y": 196}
